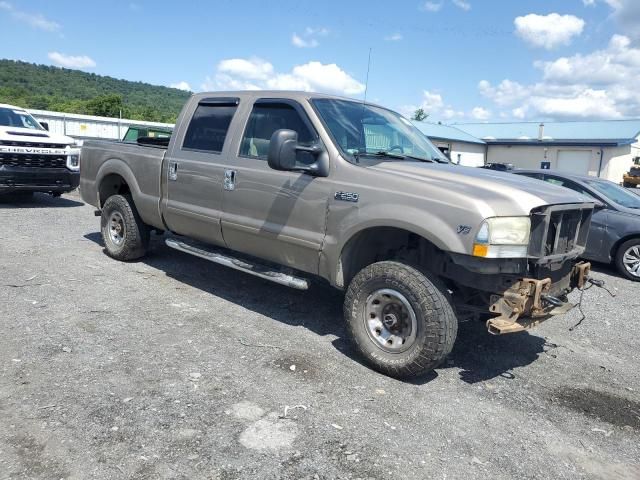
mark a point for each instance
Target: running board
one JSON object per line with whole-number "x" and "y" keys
{"x": 237, "y": 264}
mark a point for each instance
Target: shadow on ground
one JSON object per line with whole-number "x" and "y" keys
{"x": 37, "y": 200}
{"x": 479, "y": 355}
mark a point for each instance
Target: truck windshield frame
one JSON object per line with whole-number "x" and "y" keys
{"x": 10, "y": 117}
{"x": 364, "y": 130}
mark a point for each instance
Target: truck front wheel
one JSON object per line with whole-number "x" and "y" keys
{"x": 400, "y": 321}
{"x": 125, "y": 235}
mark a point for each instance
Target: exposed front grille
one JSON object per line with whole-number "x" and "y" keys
{"x": 559, "y": 230}
{"x": 33, "y": 161}
{"x": 32, "y": 144}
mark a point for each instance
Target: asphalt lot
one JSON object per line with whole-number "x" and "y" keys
{"x": 175, "y": 368}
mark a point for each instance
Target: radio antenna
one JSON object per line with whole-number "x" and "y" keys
{"x": 366, "y": 84}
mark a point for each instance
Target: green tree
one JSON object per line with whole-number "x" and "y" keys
{"x": 419, "y": 115}
{"x": 61, "y": 89}
{"x": 105, "y": 105}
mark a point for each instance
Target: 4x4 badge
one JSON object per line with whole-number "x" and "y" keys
{"x": 464, "y": 229}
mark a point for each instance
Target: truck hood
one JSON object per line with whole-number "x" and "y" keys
{"x": 489, "y": 186}
{"x": 29, "y": 135}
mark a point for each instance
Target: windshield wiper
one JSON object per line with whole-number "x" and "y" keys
{"x": 399, "y": 156}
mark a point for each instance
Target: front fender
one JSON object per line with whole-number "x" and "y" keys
{"x": 344, "y": 226}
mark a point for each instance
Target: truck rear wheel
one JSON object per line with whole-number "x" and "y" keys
{"x": 125, "y": 235}
{"x": 399, "y": 320}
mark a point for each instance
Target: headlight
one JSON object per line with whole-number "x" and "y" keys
{"x": 73, "y": 162}
{"x": 503, "y": 237}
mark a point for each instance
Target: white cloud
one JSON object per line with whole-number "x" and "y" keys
{"x": 252, "y": 68}
{"x": 394, "y": 37}
{"x": 480, "y": 113}
{"x": 181, "y": 86}
{"x": 309, "y": 38}
{"x": 548, "y": 31}
{"x": 627, "y": 15}
{"x": 464, "y": 5}
{"x": 258, "y": 74}
{"x": 35, "y": 20}
{"x": 431, "y": 6}
{"x": 589, "y": 3}
{"x": 71, "y": 61}
{"x": 435, "y": 106}
{"x": 599, "y": 84}
{"x": 300, "y": 42}
{"x": 320, "y": 31}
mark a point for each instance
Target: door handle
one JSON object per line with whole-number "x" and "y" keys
{"x": 229, "y": 180}
{"x": 173, "y": 171}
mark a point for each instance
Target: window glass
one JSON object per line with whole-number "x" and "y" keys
{"x": 569, "y": 184}
{"x": 616, "y": 193}
{"x": 208, "y": 128}
{"x": 266, "y": 119}
{"x": 131, "y": 135}
{"x": 17, "y": 118}
{"x": 363, "y": 130}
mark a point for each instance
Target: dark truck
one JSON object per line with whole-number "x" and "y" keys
{"x": 290, "y": 186}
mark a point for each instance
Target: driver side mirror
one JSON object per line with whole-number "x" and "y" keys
{"x": 283, "y": 154}
{"x": 598, "y": 205}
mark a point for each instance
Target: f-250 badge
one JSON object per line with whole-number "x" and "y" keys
{"x": 347, "y": 196}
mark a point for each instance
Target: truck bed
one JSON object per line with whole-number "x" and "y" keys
{"x": 139, "y": 165}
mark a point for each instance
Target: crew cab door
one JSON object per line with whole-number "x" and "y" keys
{"x": 194, "y": 170}
{"x": 274, "y": 215}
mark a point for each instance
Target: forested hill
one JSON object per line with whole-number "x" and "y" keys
{"x": 59, "y": 89}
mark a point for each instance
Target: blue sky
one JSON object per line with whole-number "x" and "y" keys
{"x": 461, "y": 60}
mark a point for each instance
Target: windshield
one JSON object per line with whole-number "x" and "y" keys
{"x": 616, "y": 194}
{"x": 362, "y": 130}
{"x": 17, "y": 118}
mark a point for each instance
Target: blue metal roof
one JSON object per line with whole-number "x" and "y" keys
{"x": 608, "y": 132}
{"x": 446, "y": 132}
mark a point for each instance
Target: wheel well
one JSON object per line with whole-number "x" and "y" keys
{"x": 614, "y": 249}
{"x": 377, "y": 244}
{"x": 112, "y": 184}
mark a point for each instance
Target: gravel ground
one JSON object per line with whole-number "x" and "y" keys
{"x": 175, "y": 368}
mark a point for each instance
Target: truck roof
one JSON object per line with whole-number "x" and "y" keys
{"x": 289, "y": 94}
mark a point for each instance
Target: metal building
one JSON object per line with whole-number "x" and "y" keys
{"x": 88, "y": 126}
{"x": 604, "y": 149}
{"x": 459, "y": 146}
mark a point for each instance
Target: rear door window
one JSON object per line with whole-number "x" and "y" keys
{"x": 209, "y": 125}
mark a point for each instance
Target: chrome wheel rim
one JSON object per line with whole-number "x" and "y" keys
{"x": 390, "y": 321}
{"x": 631, "y": 260}
{"x": 116, "y": 228}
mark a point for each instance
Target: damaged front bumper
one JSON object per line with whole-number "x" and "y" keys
{"x": 529, "y": 302}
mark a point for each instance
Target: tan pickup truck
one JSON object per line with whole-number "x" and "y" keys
{"x": 293, "y": 186}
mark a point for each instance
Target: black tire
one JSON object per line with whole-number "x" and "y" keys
{"x": 436, "y": 322}
{"x": 132, "y": 240}
{"x": 632, "y": 249}
{"x": 628, "y": 185}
